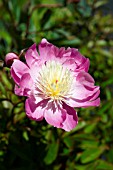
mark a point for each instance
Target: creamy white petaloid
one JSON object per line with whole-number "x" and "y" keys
{"x": 54, "y": 81}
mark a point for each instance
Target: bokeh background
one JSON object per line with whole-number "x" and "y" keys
{"x": 29, "y": 145}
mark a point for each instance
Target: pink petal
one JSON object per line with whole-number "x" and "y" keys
{"x": 61, "y": 52}
{"x": 15, "y": 76}
{"x": 26, "y": 81}
{"x": 81, "y": 61}
{"x": 84, "y": 92}
{"x": 75, "y": 61}
{"x": 54, "y": 115}
{"x": 25, "y": 85}
{"x": 71, "y": 118}
{"x": 18, "y": 68}
{"x": 70, "y": 64}
{"x": 47, "y": 51}
{"x": 79, "y": 103}
{"x": 69, "y": 58}
{"x": 32, "y": 55}
{"x": 83, "y": 86}
{"x": 85, "y": 78}
{"x": 34, "y": 69}
{"x": 35, "y": 111}
{"x": 39, "y": 95}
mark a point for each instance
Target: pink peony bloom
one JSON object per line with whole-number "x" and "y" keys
{"x": 54, "y": 81}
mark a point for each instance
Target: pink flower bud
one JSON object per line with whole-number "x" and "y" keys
{"x": 9, "y": 58}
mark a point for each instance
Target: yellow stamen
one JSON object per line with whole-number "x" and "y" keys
{"x": 54, "y": 81}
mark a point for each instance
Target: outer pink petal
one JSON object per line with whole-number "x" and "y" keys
{"x": 84, "y": 92}
{"x": 65, "y": 117}
{"x": 54, "y": 115}
{"x": 69, "y": 58}
{"x": 79, "y": 103}
{"x": 71, "y": 118}
{"x": 81, "y": 61}
{"x": 85, "y": 78}
{"x": 84, "y": 86}
{"x": 15, "y": 77}
{"x": 32, "y": 55}
{"x": 74, "y": 61}
{"x": 25, "y": 85}
{"x": 35, "y": 111}
{"x": 18, "y": 68}
{"x": 47, "y": 51}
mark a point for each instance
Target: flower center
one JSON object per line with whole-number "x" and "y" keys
{"x": 54, "y": 81}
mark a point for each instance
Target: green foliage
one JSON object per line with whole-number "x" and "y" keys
{"x": 26, "y": 144}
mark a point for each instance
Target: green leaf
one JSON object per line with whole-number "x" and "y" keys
{"x": 80, "y": 125}
{"x": 5, "y": 81}
{"x": 2, "y": 89}
{"x": 89, "y": 128}
{"x": 81, "y": 167}
{"x": 46, "y": 17}
{"x": 107, "y": 82}
{"x": 105, "y": 107}
{"x": 83, "y": 6}
{"x": 92, "y": 154}
{"x": 52, "y": 153}
{"x": 100, "y": 3}
{"x": 101, "y": 43}
{"x": 105, "y": 53}
{"x": 71, "y": 42}
{"x": 89, "y": 144}
{"x": 68, "y": 141}
{"x": 108, "y": 94}
{"x": 25, "y": 135}
{"x": 110, "y": 155}
{"x": 103, "y": 165}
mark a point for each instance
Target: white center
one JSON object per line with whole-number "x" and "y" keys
{"x": 54, "y": 81}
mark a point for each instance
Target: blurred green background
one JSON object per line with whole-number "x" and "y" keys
{"x": 29, "y": 145}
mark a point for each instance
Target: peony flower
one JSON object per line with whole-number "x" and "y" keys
{"x": 55, "y": 81}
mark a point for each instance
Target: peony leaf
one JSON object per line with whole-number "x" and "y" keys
{"x": 52, "y": 153}
{"x": 92, "y": 154}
